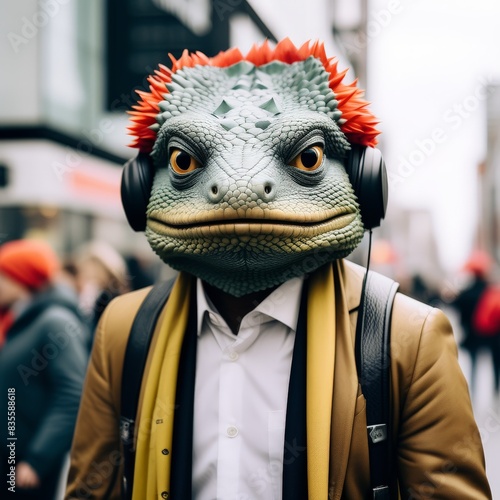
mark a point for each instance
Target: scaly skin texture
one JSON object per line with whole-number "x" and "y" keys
{"x": 247, "y": 219}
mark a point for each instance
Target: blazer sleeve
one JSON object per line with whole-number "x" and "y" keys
{"x": 439, "y": 448}
{"x": 96, "y": 455}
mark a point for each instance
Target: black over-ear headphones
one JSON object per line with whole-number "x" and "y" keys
{"x": 137, "y": 180}
{"x": 368, "y": 175}
{"x": 364, "y": 165}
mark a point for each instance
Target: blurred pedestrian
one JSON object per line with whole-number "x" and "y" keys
{"x": 42, "y": 366}
{"x": 140, "y": 276}
{"x": 102, "y": 276}
{"x": 478, "y": 266}
{"x": 486, "y": 324}
{"x": 421, "y": 290}
{"x": 68, "y": 275}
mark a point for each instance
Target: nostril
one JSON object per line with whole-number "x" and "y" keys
{"x": 215, "y": 191}
{"x": 265, "y": 189}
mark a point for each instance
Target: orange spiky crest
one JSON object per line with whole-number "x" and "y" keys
{"x": 358, "y": 123}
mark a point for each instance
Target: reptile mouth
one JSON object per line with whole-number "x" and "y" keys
{"x": 281, "y": 227}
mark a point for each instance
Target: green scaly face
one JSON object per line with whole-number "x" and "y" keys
{"x": 250, "y": 189}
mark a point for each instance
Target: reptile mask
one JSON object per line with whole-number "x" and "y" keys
{"x": 249, "y": 185}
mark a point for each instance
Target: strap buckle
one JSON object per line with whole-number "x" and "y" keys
{"x": 377, "y": 432}
{"x": 381, "y": 493}
{"x": 126, "y": 430}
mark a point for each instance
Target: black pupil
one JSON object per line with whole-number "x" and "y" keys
{"x": 183, "y": 160}
{"x": 309, "y": 157}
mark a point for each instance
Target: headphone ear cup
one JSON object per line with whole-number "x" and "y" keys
{"x": 368, "y": 175}
{"x": 136, "y": 183}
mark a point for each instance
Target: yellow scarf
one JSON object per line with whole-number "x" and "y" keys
{"x": 152, "y": 464}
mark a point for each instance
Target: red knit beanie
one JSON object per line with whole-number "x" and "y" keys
{"x": 31, "y": 263}
{"x": 479, "y": 263}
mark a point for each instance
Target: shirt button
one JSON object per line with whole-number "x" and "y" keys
{"x": 233, "y": 356}
{"x": 232, "y": 431}
{"x": 164, "y": 494}
{"x": 165, "y": 451}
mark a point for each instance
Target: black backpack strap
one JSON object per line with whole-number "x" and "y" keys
{"x": 136, "y": 354}
{"x": 373, "y": 364}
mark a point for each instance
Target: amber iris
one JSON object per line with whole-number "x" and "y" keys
{"x": 309, "y": 159}
{"x": 182, "y": 162}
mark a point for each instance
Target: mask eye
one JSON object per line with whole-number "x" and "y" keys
{"x": 309, "y": 159}
{"x": 182, "y": 162}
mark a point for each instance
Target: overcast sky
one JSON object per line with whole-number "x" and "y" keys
{"x": 430, "y": 63}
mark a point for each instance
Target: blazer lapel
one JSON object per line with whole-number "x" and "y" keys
{"x": 347, "y": 293}
{"x": 344, "y": 404}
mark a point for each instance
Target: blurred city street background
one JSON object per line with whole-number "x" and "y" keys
{"x": 431, "y": 68}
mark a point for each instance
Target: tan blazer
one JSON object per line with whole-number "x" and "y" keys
{"x": 439, "y": 451}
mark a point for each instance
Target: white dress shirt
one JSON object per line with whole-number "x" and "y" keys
{"x": 240, "y": 400}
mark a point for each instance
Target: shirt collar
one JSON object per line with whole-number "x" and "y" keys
{"x": 282, "y": 304}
